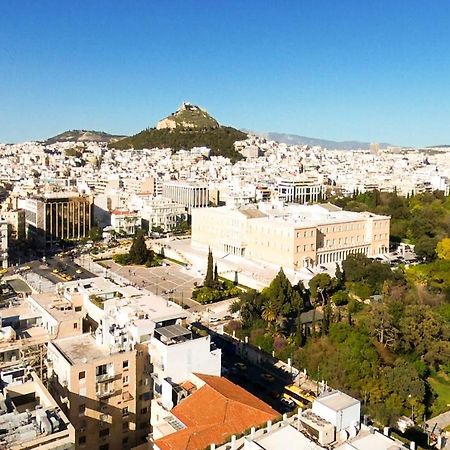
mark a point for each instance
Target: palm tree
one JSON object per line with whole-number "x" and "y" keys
{"x": 269, "y": 313}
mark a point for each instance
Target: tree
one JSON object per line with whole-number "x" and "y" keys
{"x": 426, "y": 248}
{"x": 139, "y": 253}
{"x": 216, "y": 273}
{"x": 443, "y": 249}
{"x": 269, "y": 313}
{"x": 95, "y": 234}
{"x": 209, "y": 278}
{"x": 320, "y": 286}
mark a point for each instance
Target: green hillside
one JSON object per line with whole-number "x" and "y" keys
{"x": 219, "y": 140}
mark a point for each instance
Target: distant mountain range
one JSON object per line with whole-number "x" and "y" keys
{"x": 294, "y": 139}
{"x": 190, "y": 126}
{"x": 83, "y": 136}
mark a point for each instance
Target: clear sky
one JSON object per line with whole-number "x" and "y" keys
{"x": 373, "y": 70}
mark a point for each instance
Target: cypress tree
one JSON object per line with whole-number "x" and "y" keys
{"x": 139, "y": 252}
{"x": 209, "y": 280}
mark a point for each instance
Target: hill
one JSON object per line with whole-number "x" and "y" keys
{"x": 83, "y": 136}
{"x": 294, "y": 139}
{"x": 190, "y": 126}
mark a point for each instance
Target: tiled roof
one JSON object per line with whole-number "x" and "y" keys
{"x": 213, "y": 413}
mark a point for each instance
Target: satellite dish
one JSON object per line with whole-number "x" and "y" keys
{"x": 352, "y": 431}
{"x": 342, "y": 436}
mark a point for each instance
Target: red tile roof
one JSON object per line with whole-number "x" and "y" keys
{"x": 213, "y": 413}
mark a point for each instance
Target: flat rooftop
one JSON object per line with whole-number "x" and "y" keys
{"x": 81, "y": 349}
{"x": 287, "y": 438}
{"x": 337, "y": 400}
{"x": 368, "y": 441}
{"x": 57, "y": 306}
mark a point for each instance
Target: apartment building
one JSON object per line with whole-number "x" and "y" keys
{"x": 96, "y": 386}
{"x": 191, "y": 195}
{"x": 59, "y": 215}
{"x": 292, "y": 236}
{"x": 4, "y": 243}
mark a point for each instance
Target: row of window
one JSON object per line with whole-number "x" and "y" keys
{"x": 103, "y": 369}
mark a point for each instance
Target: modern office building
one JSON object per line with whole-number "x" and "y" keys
{"x": 191, "y": 195}
{"x": 293, "y": 236}
{"x": 56, "y": 216}
{"x": 302, "y": 191}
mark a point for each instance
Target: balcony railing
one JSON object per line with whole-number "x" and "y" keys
{"x": 105, "y": 377}
{"x": 108, "y": 393}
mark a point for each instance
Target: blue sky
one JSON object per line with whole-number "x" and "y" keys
{"x": 375, "y": 70}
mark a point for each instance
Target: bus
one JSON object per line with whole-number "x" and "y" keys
{"x": 301, "y": 398}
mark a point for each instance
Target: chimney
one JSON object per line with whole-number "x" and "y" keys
{"x": 213, "y": 446}
{"x": 233, "y": 442}
{"x": 386, "y": 431}
{"x": 269, "y": 426}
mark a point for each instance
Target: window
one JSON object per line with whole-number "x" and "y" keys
{"x": 75, "y": 325}
{"x": 82, "y": 440}
{"x": 101, "y": 370}
{"x": 125, "y": 380}
{"x": 81, "y": 409}
{"x": 104, "y": 447}
{"x": 77, "y": 308}
{"x": 125, "y": 426}
{"x": 144, "y": 410}
{"x": 103, "y": 433}
{"x": 82, "y": 375}
{"x": 125, "y": 364}
{"x": 146, "y": 395}
{"x": 125, "y": 411}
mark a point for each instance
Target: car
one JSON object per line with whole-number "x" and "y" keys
{"x": 268, "y": 377}
{"x": 214, "y": 320}
{"x": 287, "y": 402}
{"x": 3, "y": 271}
{"x": 55, "y": 270}
{"x": 228, "y": 318}
{"x": 78, "y": 271}
{"x": 241, "y": 366}
{"x": 25, "y": 268}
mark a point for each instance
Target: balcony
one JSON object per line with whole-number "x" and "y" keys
{"x": 105, "y": 377}
{"x": 108, "y": 393}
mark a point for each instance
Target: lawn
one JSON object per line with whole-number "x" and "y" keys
{"x": 440, "y": 383}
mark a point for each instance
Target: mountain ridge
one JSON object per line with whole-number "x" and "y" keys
{"x": 83, "y": 136}
{"x": 295, "y": 139}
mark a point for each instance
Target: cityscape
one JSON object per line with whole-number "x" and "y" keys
{"x": 207, "y": 277}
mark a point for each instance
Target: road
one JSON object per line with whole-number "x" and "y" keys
{"x": 267, "y": 386}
